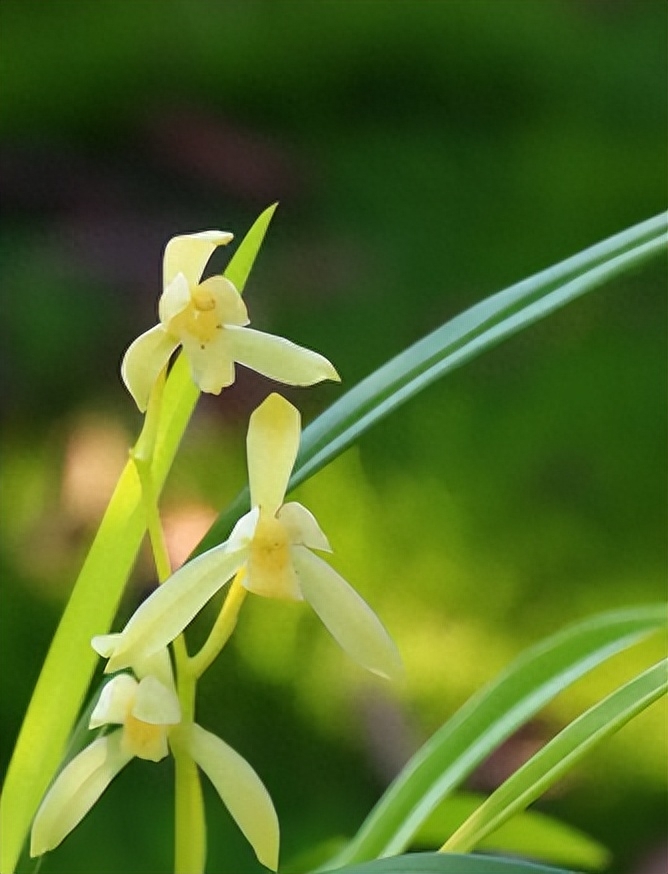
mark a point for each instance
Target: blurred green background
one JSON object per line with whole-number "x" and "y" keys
{"x": 425, "y": 154}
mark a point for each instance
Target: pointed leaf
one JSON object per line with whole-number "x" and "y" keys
{"x": 241, "y": 262}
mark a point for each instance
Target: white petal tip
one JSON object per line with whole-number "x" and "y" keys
{"x": 321, "y": 371}
{"x": 220, "y": 238}
{"x": 104, "y": 644}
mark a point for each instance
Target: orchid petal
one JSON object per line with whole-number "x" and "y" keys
{"x": 156, "y": 704}
{"x": 278, "y": 358}
{"x": 230, "y": 307}
{"x": 302, "y": 527}
{"x": 211, "y": 364}
{"x": 348, "y": 618}
{"x": 271, "y": 445}
{"x": 115, "y": 701}
{"x": 144, "y": 740}
{"x": 144, "y": 360}
{"x": 243, "y": 531}
{"x": 75, "y": 791}
{"x": 164, "y": 615}
{"x": 174, "y": 300}
{"x": 190, "y": 253}
{"x": 157, "y": 664}
{"x": 269, "y": 571}
{"x": 240, "y": 790}
{"x": 105, "y": 644}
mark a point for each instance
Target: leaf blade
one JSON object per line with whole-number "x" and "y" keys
{"x": 530, "y": 834}
{"x": 560, "y": 754}
{"x": 487, "y": 719}
{"x": 467, "y": 335}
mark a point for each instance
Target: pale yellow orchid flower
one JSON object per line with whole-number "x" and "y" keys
{"x": 208, "y": 319}
{"x": 149, "y": 715}
{"x": 273, "y": 544}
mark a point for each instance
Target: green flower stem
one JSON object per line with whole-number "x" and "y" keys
{"x": 223, "y": 628}
{"x": 190, "y": 834}
{"x": 190, "y": 827}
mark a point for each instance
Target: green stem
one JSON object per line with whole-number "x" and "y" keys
{"x": 190, "y": 844}
{"x": 190, "y": 826}
{"x": 223, "y": 628}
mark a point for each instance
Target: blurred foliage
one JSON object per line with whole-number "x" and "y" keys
{"x": 425, "y": 155}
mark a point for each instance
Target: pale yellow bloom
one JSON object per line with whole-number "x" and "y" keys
{"x": 273, "y": 543}
{"x": 148, "y": 713}
{"x": 208, "y": 319}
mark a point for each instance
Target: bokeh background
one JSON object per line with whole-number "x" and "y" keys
{"x": 425, "y": 154}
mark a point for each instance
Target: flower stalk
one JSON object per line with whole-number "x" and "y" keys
{"x": 189, "y": 820}
{"x": 223, "y": 628}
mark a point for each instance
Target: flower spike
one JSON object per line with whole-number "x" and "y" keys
{"x": 273, "y": 544}
{"x": 208, "y": 319}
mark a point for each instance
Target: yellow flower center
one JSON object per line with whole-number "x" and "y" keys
{"x": 203, "y": 300}
{"x": 144, "y": 739}
{"x": 200, "y": 319}
{"x": 270, "y": 571}
{"x": 269, "y": 549}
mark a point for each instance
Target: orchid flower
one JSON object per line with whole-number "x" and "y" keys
{"x": 273, "y": 545}
{"x": 208, "y": 319}
{"x": 149, "y": 715}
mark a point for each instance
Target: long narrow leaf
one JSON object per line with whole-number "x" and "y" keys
{"x": 560, "y": 755}
{"x": 530, "y": 835}
{"x": 435, "y": 863}
{"x": 70, "y": 661}
{"x": 486, "y": 720}
{"x": 467, "y": 335}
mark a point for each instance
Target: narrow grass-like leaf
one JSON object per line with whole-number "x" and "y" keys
{"x": 70, "y": 661}
{"x": 435, "y": 863}
{"x": 487, "y": 719}
{"x": 241, "y": 262}
{"x": 469, "y": 334}
{"x": 530, "y": 834}
{"x": 558, "y": 756}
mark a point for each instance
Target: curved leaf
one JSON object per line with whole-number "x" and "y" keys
{"x": 467, "y": 335}
{"x": 529, "y": 834}
{"x": 487, "y": 719}
{"x": 560, "y": 755}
